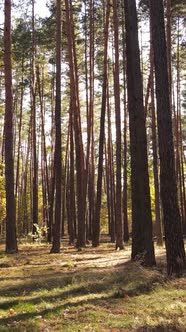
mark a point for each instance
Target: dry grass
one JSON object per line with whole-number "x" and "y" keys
{"x": 91, "y": 290}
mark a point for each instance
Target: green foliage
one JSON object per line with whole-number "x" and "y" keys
{"x": 21, "y": 40}
{"x": 46, "y": 34}
{"x": 40, "y": 233}
{"x": 178, "y": 7}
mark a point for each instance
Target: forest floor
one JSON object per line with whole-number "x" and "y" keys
{"x": 89, "y": 290}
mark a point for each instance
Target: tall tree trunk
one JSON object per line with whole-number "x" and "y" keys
{"x": 171, "y": 216}
{"x": 119, "y": 228}
{"x": 34, "y": 144}
{"x": 72, "y": 212}
{"x": 52, "y": 172}
{"x": 158, "y": 225}
{"x": 11, "y": 241}
{"x": 80, "y": 167}
{"x": 96, "y": 224}
{"x": 178, "y": 132}
{"x": 44, "y": 164}
{"x": 142, "y": 244}
{"x": 125, "y": 184}
{"x": 111, "y": 171}
{"x": 57, "y": 156}
{"x": 168, "y": 33}
{"x": 89, "y": 179}
{"x": 91, "y": 167}
{"x": 19, "y": 132}
{"x": 107, "y": 175}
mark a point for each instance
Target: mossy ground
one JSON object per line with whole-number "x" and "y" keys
{"x": 91, "y": 290}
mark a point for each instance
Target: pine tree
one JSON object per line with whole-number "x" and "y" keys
{"x": 11, "y": 241}
{"x": 142, "y": 245}
{"x": 171, "y": 215}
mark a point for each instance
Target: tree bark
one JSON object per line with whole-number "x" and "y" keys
{"x": 11, "y": 241}
{"x": 57, "y": 156}
{"x": 158, "y": 224}
{"x": 171, "y": 216}
{"x": 34, "y": 139}
{"x": 80, "y": 162}
{"x": 119, "y": 228}
{"x": 142, "y": 245}
{"x": 96, "y": 224}
{"x": 125, "y": 163}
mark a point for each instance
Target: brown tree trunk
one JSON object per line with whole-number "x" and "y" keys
{"x": 178, "y": 133}
{"x": 158, "y": 226}
{"x": 44, "y": 164}
{"x": 57, "y": 156}
{"x": 96, "y": 224}
{"x": 168, "y": 33}
{"x": 111, "y": 171}
{"x": 19, "y": 132}
{"x": 125, "y": 184}
{"x": 89, "y": 180}
{"x": 11, "y": 241}
{"x": 80, "y": 167}
{"x": 34, "y": 143}
{"x": 172, "y": 222}
{"x": 119, "y": 228}
{"x": 142, "y": 245}
{"x": 72, "y": 212}
{"x": 52, "y": 172}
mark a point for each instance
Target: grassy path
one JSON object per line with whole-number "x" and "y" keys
{"x": 91, "y": 290}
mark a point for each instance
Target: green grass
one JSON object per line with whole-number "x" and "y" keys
{"x": 92, "y": 290}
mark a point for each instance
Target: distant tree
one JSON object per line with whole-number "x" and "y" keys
{"x": 75, "y": 104}
{"x": 171, "y": 215}
{"x": 96, "y": 223}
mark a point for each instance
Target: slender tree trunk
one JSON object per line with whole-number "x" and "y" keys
{"x": 52, "y": 172}
{"x": 168, "y": 33}
{"x": 57, "y": 157}
{"x": 111, "y": 171}
{"x": 19, "y": 132}
{"x": 147, "y": 96}
{"x": 158, "y": 225}
{"x": 34, "y": 143}
{"x": 26, "y": 219}
{"x": 11, "y": 241}
{"x": 172, "y": 222}
{"x": 80, "y": 167}
{"x": 72, "y": 210}
{"x": 96, "y": 224}
{"x": 89, "y": 179}
{"x": 91, "y": 168}
{"x": 142, "y": 245}
{"x": 178, "y": 131}
{"x": 119, "y": 228}
{"x": 44, "y": 164}
{"x": 107, "y": 175}
{"x": 125, "y": 184}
